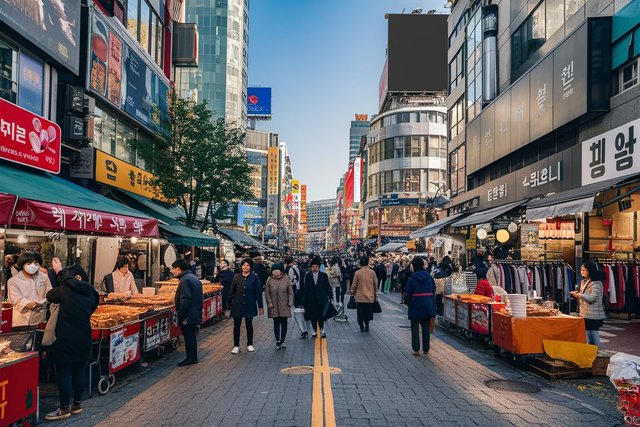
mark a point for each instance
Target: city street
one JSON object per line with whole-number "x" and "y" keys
{"x": 377, "y": 382}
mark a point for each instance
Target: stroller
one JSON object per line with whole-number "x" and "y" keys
{"x": 342, "y": 315}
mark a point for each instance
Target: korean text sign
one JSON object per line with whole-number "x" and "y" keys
{"x": 28, "y": 139}
{"x": 611, "y": 154}
{"x": 115, "y": 172}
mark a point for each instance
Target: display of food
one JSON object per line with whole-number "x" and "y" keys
{"x": 155, "y": 302}
{"x": 207, "y": 288}
{"x": 471, "y": 298}
{"x": 535, "y": 310}
{"x": 109, "y": 316}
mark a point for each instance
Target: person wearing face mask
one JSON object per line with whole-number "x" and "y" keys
{"x": 279, "y": 295}
{"x": 28, "y": 291}
{"x": 224, "y": 277}
{"x": 121, "y": 280}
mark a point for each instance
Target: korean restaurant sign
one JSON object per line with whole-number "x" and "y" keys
{"x": 117, "y": 173}
{"x": 31, "y": 213}
{"x": 28, "y": 139}
{"x": 612, "y": 154}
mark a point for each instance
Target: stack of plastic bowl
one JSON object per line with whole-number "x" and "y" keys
{"x": 518, "y": 304}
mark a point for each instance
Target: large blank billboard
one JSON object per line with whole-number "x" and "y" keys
{"x": 417, "y": 53}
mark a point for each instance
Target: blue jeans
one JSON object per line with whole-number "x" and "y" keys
{"x": 70, "y": 378}
{"x": 593, "y": 337}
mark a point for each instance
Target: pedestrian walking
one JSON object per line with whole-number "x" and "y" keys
{"x": 225, "y": 277}
{"x": 260, "y": 269}
{"x": 364, "y": 291}
{"x": 335, "y": 277}
{"x": 388, "y": 272}
{"x": 279, "y": 295}
{"x": 317, "y": 296}
{"x": 188, "y": 308}
{"x": 246, "y": 303}
{"x": 295, "y": 277}
{"x": 71, "y": 351}
{"x": 419, "y": 295}
{"x": 381, "y": 274}
{"x": 590, "y": 297}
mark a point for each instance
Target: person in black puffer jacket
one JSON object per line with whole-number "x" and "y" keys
{"x": 72, "y": 349}
{"x": 420, "y": 296}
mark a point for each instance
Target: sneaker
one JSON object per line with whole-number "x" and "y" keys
{"x": 304, "y": 335}
{"x": 58, "y": 414}
{"x": 314, "y": 335}
{"x": 235, "y": 350}
{"x": 416, "y": 353}
{"x": 278, "y": 346}
{"x": 366, "y": 328}
{"x": 76, "y": 408}
{"x": 282, "y": 346}
{"x": 250, "y": 348}
{"x": 322, "y": 334}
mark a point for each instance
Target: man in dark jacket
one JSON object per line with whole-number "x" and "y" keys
{"x": 72, "y": 349}
{"x": 317, "y": 294}
{"x": 188, "y": 308}
{"x": 225, "y": 277}
{"x": 419, "y": 295}
{"x": 260, "y": 270}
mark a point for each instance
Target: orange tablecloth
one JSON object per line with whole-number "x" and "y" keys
{"x": 525, "y": 335}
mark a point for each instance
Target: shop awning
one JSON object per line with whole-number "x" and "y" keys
{"x": 568, "y": 202}
{"x": 7, "y": 202}
{"x": 171, "y": 229}
{"x": 435, "y": 227}
{"x": 391, "y": 247}
{"x": 487, "y": 215}
{"x": 241, "y": 239}
{"x": 50, "y": 202}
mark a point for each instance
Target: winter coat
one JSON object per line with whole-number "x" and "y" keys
{"x": 420, "y": 296}
{"x": 246, "y": 295}
{"x": 189, "y": 299}
{"x": 364, "y": 285}
{"x": 591, "y": 306}
{"x": 334, "y": 276}
{"x": 261, "y": 271}
{"x": 484, "y": 288}
{"x": 279, "y": 295}
{"x": 78, "y": 300}
{"x": 316, "y": 296}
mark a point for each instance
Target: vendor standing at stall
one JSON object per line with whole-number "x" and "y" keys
{"x": 121, "y": 280}
{"x": 28, "y": 291}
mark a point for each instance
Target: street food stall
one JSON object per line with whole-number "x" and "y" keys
{"x": 470, "y": 314}
{"x": 19, "y": 390}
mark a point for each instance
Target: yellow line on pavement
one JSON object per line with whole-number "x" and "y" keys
{"x": 322, "y": 393}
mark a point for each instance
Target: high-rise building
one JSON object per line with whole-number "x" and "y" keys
{"x": 359, "y": 128}
{"x": 543, "y": 103}
{"x": 222, "y": 74}
{"x": 319, "y": 214}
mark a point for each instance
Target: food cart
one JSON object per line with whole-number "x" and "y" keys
{"x": 19, "y": 391}
{"x": 470, "y": 314}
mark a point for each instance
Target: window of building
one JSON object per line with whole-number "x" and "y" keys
{"x": 474, "y": 65}
{"x": 456, "y": 118}
{"x": 434, "y": 146}
{"x": 104, "y": 133}
{"x": 132, "y": 18}
{"x": 388, "y": 149}
{"x": 457, "y": 171}
{"x": 8, "y": 72}
{"x": 456, "y": 70}
{"x": 555, "y": 16}
{"x": 144, "y": 24}
{"x": 400, "y": 147}
{"x": 572, "y": 6}
{"x": 626, "y": 77}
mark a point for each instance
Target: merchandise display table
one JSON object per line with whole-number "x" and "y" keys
{"x": 524, "y": 336}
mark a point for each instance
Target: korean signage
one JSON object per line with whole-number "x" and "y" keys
{"x": 28, "y": 139}
{"x": 117, "y": 173}
{"x": 570, "y": 76}
{"x": 497, "y": 192}
{"x": 31, "y": 213}
{"x": 31, "y": 84}
{"x": 259, "y": 101}
{"x": 357, "y": 179}
{"x": 157, "y": 330}
{"x": 540, "y": 99}
{"x": 295, "y": 186}
{"x": 273, "y": 170}
{"x": 208, "y": 309}
{"x": 54, "y": 26}
{"x": 611, "y": 154}
{"x": 544, "y": 175}
{"x": 124, "y": 349}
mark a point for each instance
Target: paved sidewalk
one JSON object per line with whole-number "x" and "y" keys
{"x": 381, "y": 384}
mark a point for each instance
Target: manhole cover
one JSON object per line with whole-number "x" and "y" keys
{"x": 305, "y": 370}
{"x": 507, "y": 385}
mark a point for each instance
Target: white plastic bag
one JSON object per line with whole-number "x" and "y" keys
{"x": 624, "y": 370}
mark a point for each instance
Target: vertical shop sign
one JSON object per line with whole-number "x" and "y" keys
{"x": 31, "y": 83}
{"x": 570, "y": 76}
{"x": 99, "y": 56}
{"x": 114, "y": 75}
{"x": 357, "y": 179}
{"x": 520, "y": 113}
{"x": 28, "y": 139}
{"x": 612, "y": 154}
{"x": 273, "y": 170}
{"x": 541, "y": 99}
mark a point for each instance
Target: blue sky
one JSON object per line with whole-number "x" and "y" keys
{"x": 323, "y": 59}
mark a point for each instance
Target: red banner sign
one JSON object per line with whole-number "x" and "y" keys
{"x": 18, "y": 389}
{"x": 7, "y": 201}
{"x": 30, "y": 213}
{"x": 157, "y": 331}
{"x": 124, "y": 348}
{"x": 29, "y": 139}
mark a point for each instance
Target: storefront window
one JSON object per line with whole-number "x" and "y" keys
{"x": 104, "y": 132}
{"x": 124, "y": 150}
{"x": 132, "y": 18}
{"x": 8, "y": 72}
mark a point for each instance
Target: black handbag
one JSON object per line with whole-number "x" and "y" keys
{"x": 329, "y": 311}
{"x": 376, "y": 306}
{"x": 351, "y": 305}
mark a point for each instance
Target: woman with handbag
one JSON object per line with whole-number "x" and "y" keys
{"x": 419, "y": 295}
{"x": 590, "y": 300}
{"x": 364, "y": 290}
